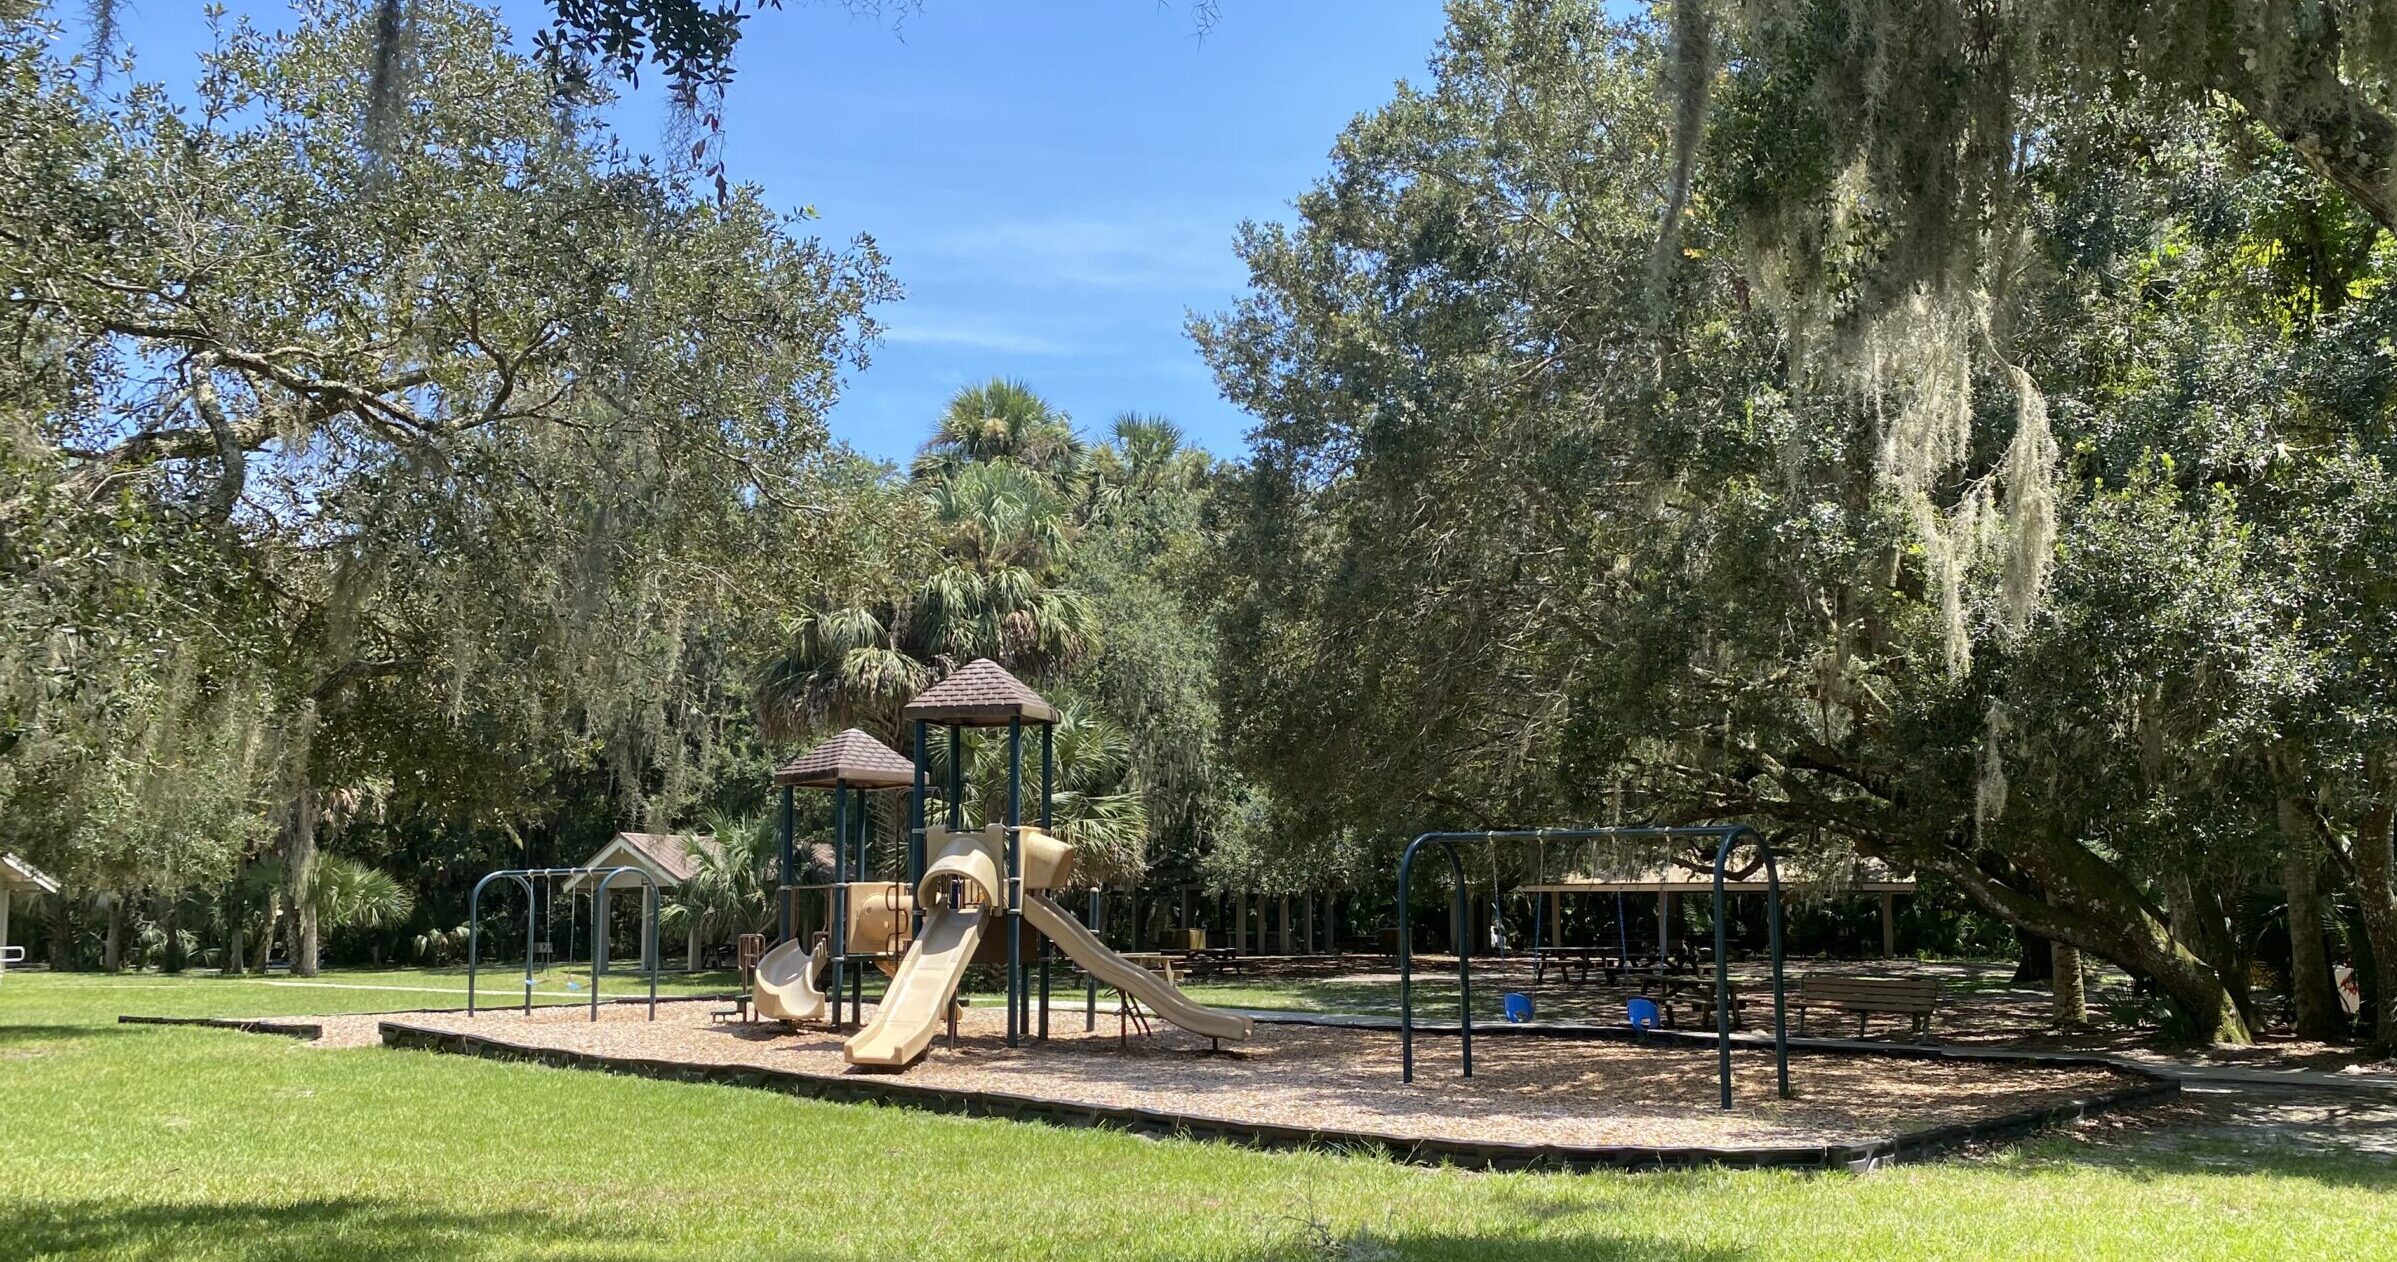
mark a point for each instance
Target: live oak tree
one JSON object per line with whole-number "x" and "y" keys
{"x": 2016, "y": 584}
{"x": 491, "y": 436}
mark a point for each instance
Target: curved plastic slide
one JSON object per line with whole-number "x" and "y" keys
{"x": 784, "y": 986}
{"x": 920, "y": 993}
{"x": 1114, "y": 970}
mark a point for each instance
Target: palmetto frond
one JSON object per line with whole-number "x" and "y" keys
{"x": 1000, "y": 420}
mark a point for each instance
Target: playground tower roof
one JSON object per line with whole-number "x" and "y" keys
{"x": 979, "y": 694}
{"x": 854, "y": 759}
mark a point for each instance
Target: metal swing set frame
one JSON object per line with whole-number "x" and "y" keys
{"x": 524, "y": 878}
{"x": 1725, "y": 837}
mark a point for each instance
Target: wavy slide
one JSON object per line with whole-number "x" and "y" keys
{"x": 784, "y": 987}
{"x": 1080, "y": 945}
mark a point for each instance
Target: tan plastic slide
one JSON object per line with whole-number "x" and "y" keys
{"x": 920, "y": 993}
{"x": 1114, "y": 970}
{"x": 784, "y": 986}
{"x": 917, "y": 1001}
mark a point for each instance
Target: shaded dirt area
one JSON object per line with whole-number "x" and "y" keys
{"x": 1979, "y": 1006}
{"x": 1524, "y": 1090}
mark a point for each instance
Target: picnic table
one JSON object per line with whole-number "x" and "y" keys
{"x": 1201, "y": 961}
{"x": 1575, "y": 962}
{"x": 1673, "y": 991}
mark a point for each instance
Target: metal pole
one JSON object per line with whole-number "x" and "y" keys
{"x": 474, "y": 934}
{"x": 956, "y": 777}
{"x": 532, "y": 912}
{"x": 782, "y": 897}
{"x": 1772, "y": 872}
{"x": 915, "y": 832}
{"x": 1090, "y": 988}
{"x": 1722, "y": 973}
{"x": 1048, "y": 776}
{"x": 1406, "y": 968}
{"x": 1015, "y": 880}
{"x": 838, "y": 931}
{"x": 653, "y": 946}
{"x": 1464, "y": 964}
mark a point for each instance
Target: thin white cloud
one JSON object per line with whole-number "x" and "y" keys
{"x": 981, "y": 337}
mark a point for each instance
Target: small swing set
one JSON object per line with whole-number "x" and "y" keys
{"x": 1724, "y": 836}
{"x": 539, "y": 952}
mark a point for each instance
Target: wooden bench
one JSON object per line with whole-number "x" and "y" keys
{"x": 1914, "y": 997}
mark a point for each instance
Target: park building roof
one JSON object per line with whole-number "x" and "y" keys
{"x": 20, "y": 877}
{"x": 1862, "y": 877}
{"x": 669, "y": 858}
{"x": 979, "y": 694}
{"x": 853, "y": 759}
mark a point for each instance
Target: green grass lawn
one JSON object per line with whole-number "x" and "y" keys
{"x": 210, "y": 994}
{"x": 149, "y": 1142}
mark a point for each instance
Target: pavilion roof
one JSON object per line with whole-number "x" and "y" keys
{"x": 17, "y": 876}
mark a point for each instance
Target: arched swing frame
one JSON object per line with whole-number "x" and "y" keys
{"x": 524, "y": 878}
{"x": 1725, "y": 836}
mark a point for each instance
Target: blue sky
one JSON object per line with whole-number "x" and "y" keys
{"x": 1056, "y": 183}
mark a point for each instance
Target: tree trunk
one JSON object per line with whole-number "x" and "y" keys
{"x": 2311, "y": 989}
{"x": 170, "y": 958}
{"x": 112, "y": 949}
{"x": 2376, "y": 890}
{"x": 2072, "y": 998}
{"x": 2034, "y": 958}
{"x": 299, "y": 865}
{"x": 62, "y": 936}
{"x": 2092, "y": 905}
{"x": 236, "y": 936}
{"x": 266, "y": 939}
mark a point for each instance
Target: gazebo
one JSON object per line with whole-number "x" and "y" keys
{"x": 669, "y": 858}
{"x": 17, "y": 876}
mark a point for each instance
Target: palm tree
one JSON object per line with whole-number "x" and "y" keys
{"x": 841, "y": 667}
{"x": 1001, "y": 419}
{"x": 1004, "y": 536}
{"x": 731, "y": 887}
{"x": 1099, "y": 807}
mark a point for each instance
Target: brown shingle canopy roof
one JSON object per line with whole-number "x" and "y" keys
{"x": 981, "y": 694}
{"x": 853, "y": 758}
{"x": 670, "y": 857}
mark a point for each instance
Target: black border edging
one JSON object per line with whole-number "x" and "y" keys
{"x": 308, "y": 1031}
{"x": 1466, "y": 1154}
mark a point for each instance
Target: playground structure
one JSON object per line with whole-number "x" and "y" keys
{"x": 967, "y": 892}
{"x": 535, "y": 880}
